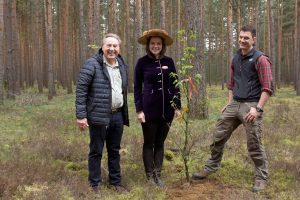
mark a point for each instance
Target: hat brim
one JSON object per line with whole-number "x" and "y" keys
{"x": 155, "y": 33}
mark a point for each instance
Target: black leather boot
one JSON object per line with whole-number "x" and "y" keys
{"x": 158, "y": 180}
{"x": 158, "y": 162}
{"x": 149, "y": 164}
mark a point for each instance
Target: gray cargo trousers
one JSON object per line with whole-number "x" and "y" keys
{"x": 229, "y": 120}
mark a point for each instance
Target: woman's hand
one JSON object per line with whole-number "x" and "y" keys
{"x": 177, "y": 114}
{"x": 141, "y": 117}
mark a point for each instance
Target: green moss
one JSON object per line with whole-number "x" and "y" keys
{"x": 235, "y": 172}
{"x": 281, "y": 180}
{"x": 292, "y": 142}
{"x": 169, "y": 155}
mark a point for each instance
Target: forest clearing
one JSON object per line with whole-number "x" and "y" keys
{"x": 45, "y": 44}
{"x": 44, "y": 155}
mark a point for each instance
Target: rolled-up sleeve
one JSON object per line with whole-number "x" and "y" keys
{"x": 264, "y": 70}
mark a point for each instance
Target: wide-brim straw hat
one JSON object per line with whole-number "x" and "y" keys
{"x": 155, "y": 33}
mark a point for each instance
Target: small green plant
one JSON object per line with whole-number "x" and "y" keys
{"x": 188, "y": 82}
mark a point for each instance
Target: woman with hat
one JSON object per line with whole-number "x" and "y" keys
{"x": 156, "y": 98}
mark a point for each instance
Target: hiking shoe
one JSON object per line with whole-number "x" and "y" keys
{"x": 201, "y": 175}
{"x": 119, "y": 188}
{"x": 259, "y": 185}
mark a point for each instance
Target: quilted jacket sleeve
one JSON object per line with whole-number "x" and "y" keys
{"x": 82, "y": 88}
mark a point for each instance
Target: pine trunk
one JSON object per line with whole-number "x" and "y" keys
{"x": 209, "y": 63}
{"x": 192, "y": 8}
{"x": 11, "y": 53}
{"x": 162, "y": 14}
{"x": 272, "y": 41}
{"x": 112, "y": 16}
{"x": 238, "y": 27}
{"x": 1, "y": 52}
{"x": 279, "y": 48}
{"x": 82, "y": 28}
{"x": 138, "y": 27}
{"x": 147, "y": 16}
{"x": 129, "y": 47}
{"x": 51, "y": 87}
{"x": 296, "y": 47}
{"x": 229, "y": 37}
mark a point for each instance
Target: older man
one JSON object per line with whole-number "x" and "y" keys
{"x": 101, "y": 105}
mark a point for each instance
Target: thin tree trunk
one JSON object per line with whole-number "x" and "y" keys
{"x": 66, "y": 59}
{"x": 178, "y": 27}
{"x": 1, "y": 52}
{"x": 221, "y": 55}
{"x": 229, "y": 37}
{"x": 238, "y": 13}
{"x": 209, "y": 63}
{"x": 97, "y": 20}
{"x": 40, "y": 47}
{"x": 16, "y": 48}
{"x": 266, "y": 34}
{"x": 91, "y": 33}
{"x": 153, "y": 9}
{"x": 138, "y": 26}
{"x": 162, "y": 14}
{"x": 82, "y": 27}
{"x": 279, "y": 48}
{"x": 272, "y": 41}
{"x": 147, "y": 16}
{"x": 112, "y": 16}
{"x": 287, "y": 60}
{"x": 296, "y": 47}
{"x": 129, "y": 47}
{"x": 257, "y": 23}
{"x": 11, "y": 53}
{"x": 51, "y": 87}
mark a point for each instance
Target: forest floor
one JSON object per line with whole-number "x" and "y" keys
{"x": 208, "y": 189}
{"x": 43, "y": 155}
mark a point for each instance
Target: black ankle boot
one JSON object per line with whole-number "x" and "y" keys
{"x": 151, "y": 179}
{"x": 158, "y": 180}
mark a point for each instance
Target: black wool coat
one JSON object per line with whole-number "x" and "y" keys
{"x": 93, "y": 91}
{"x": 154, "y": 89}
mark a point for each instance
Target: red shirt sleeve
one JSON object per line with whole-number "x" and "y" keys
{"x": 263, "y": 67}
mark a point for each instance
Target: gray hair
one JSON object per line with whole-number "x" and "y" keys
{"x": 113, "y": 35}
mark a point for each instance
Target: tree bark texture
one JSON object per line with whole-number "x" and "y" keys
{"x": 195, "y": 25}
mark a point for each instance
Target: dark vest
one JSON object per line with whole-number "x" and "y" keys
{"x": 246, "y": 81}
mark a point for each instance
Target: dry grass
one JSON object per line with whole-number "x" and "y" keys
{"x": 44, "y": 156}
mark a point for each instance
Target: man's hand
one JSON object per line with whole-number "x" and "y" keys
{"x": 141, "y": 117}
{"x": 82, "y": 123}
{"x": 252, "y": 115}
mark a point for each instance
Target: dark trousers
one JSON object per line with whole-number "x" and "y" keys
{"x": 155, "y": 134}
{"x": 112, "y": 134}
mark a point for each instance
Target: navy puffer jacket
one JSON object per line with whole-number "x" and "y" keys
{"x": 93, "y": 91}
